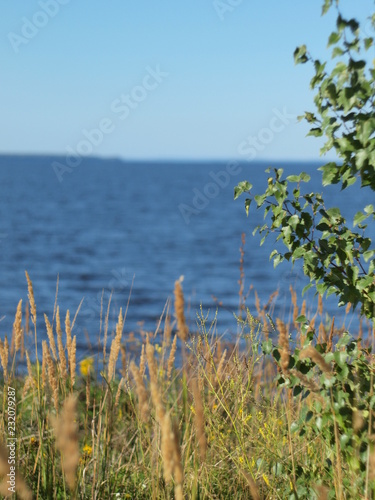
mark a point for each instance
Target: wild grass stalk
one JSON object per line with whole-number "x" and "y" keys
{"x": 245, "y": 419}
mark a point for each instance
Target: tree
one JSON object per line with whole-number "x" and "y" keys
{"x": 337, "y": 257}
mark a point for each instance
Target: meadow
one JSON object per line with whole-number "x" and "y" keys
{"x": 285, "y": 412}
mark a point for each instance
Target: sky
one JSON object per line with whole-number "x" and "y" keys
{"x": 143, "y": 79}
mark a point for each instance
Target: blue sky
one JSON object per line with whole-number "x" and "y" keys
{"x": 160, "y": 80}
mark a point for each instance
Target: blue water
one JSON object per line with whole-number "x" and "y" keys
{"x": 110, "y": 222}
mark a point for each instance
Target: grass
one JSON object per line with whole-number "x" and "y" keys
{"x": 262, "y": 418}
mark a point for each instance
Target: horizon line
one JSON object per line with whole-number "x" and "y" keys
{"x": 171, "y": 160}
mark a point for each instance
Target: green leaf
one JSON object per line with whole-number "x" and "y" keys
{"x": 304, "y": 177}
{"x": 333, "y": 38}
{"x": 294, "y": 427}
{"x": 260, "y": 199}
{"x": 300, "y": 55}
{"x": 267, "y": 346}
{"x": 307, "y": 287}
{"x": 368, "y": 254}
{"x": 277, "y": 259}
{"x": 337, "y": 51}
{"x": 316, "y": 132}
{"x": 309, "y": 416}
{"x": 368, "y": 42}
{"x": 327, "y": 4}
{"x": 241, "y": 188}
{"x": 247, "y": 205}
{"x": 358, "y": 218}
{"x": 293, "y": 178}
{"x": 301, "y": 319}
{"x": 330, "y": 173}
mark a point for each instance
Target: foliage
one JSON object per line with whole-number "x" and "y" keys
{"x": 337, "y": 257}
{"x": 340, "y": 387}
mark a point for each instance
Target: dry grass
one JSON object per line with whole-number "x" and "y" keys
{"x": 17, "y": 327}
{"x": 204, "y": 423}
{"x": 182, "y": 328}
{"x": 66, "y": 434}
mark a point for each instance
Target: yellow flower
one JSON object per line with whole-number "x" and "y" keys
{"x": 211, "y": 437}
{"x": 266, "y": 479}
{"x": 158, "y": 348}
{"x": 86, "y": 366}
{"x": 87, "y": 450}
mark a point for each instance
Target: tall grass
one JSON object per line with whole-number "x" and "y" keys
{"x": 264, "y": 417}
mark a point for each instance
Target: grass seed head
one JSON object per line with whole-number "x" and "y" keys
{"x": 182, "y": 328}
{"x": 171, "y": 357}
{"x": 31, "y": 298}
{"x": 17, "y": 327}
{"x": 314, "y": 355}
{"x": 72, "y": 360}
{"x": 60, "y": 346}
{"x": 68, "y": 333}
{"x": 115, "y": 347}
{"x": 52, "y": 378}
{"x": 51, "y": 337}
{"x": 284, "y": 344}
{"x": 66, "y": 434}
{"x": 199, "y": 420}
{"x": 141, "y": 392}
{"x": 4, "y": 355}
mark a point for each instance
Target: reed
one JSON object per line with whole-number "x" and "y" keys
{"x": 172, "y": 356}
{"x": 68, "y": 333}
{"x": 178, "y": 471}
{"x": 115, "y": 347}
{"x": 284, "y": 344}
{"x": 118, "y": 392}
{"x": 314, "y": 355}
{"x": 167, "y": 447}
{"x": 30, "y": 378}
{"x": 44, "y": 364}
{"x": 62, "y": 357}
{"x": 31, "y": 299}
{"x": 51, "y": 337}
{"x": 155, "y": 392}
{"x": 199, "y": 420}
{"x": 52, "y": 377}
{"x": 4, "y": 355}
{"x": 141, "y": 392}
{"x": 66, "y": 434}
{"x": 182, "y": 328}
{"x": 142, "y": 361}
{"x": 17, "y": 327}
{"x": 72, "y": 360}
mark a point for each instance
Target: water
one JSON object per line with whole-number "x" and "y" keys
{"x": 110, "y": 223}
